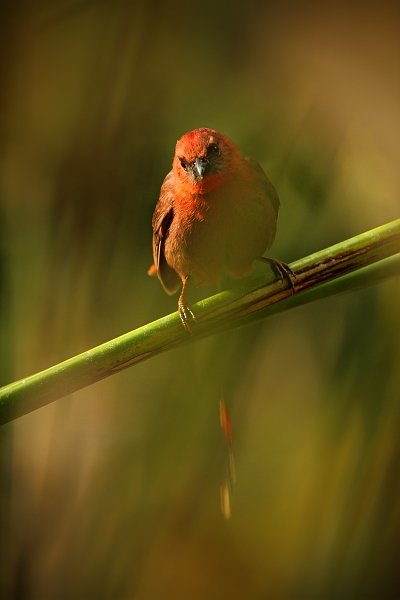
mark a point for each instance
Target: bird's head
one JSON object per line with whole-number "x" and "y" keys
{"x": 203, "y": 158}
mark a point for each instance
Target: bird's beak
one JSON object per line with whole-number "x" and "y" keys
{"x": 200, "y": 167}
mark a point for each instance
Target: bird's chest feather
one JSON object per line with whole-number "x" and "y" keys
{"x": 199, "y": 232}
{"x": 218, "y": 232}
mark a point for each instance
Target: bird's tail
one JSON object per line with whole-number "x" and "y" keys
{"x": 152, "y": 271}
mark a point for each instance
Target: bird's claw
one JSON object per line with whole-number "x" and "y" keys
{"x": 284, "y": 272}
{"x": 187, "y": 316}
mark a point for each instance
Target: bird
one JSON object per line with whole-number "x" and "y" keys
{"x": 216, "y": 215}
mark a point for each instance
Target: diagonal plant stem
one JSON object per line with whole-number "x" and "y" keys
{"x": 364, "y": 259}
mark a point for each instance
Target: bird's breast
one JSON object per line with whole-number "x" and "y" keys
{"x": 221, "y": 231}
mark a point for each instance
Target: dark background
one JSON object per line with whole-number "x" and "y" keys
{"x": 114, "y": 492}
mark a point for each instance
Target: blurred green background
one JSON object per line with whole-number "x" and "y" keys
{"x": 114, "y": 492}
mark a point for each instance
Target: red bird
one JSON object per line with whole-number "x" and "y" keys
{"x": 216, "y": 214}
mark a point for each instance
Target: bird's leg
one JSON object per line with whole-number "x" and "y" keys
{"x": 281, "y": 269}
{"x": 185, "y": 312}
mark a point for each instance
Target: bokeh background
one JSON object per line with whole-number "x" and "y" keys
{"x": 114, "y": 492}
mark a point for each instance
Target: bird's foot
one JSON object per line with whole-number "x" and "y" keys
{"x": 187, "y": 316}
{"x": 283, "y": 271}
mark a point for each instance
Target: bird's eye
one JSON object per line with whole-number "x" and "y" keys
{"x": 212, "y": 150}
{"x": 184, "y": 164}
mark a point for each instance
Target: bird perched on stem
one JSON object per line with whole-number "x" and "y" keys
{"x": 216, "y": 214}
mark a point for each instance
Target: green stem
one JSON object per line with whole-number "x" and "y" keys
{"x": 356, "y": 262}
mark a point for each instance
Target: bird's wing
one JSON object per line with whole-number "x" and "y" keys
{"x": 269, "y": 188}
{"x": 162, "y": 219}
